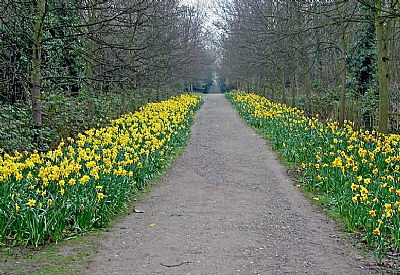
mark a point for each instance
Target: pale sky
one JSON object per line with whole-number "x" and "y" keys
{"x": 209, "y": 7}
{"x": 207, "y": 3}
{"x": 190, "y": 2}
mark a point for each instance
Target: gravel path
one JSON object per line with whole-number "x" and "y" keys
{"x": 226, "y": 207}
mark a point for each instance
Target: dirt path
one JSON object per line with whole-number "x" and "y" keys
{"x": 226, "y": 207}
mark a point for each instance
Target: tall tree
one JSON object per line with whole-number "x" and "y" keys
{"x": 384, "y": 12}
{"x": 37, "y": 45}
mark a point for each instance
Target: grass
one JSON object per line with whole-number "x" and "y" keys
{"x": 67, "y": 257}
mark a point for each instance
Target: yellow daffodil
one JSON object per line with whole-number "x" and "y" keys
{"x": 100, "y": 196}
{"x": 372, "y": 213}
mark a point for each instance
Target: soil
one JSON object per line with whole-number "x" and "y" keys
{"x": 226, "y": 207}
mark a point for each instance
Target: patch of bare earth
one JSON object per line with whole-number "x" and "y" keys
{"x": 226, "y": 207}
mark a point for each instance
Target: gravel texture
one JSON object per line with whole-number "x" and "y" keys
{"x": 226, "y": 207}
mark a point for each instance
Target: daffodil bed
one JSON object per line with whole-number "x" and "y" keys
{"x": 78, "y": 186}
{"x": 358, "y": 170}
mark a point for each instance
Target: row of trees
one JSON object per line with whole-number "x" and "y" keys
{"x": 335, "y": 57}
{"x": 91, "y": 48}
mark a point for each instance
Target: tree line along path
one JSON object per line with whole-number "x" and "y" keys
{"x": 226, "y": 207}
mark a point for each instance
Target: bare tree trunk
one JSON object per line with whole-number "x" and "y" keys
{"x": 90, "y": 60}
{"x": 292, "y": 77}
{"x": 383, "y": 26}
{"x": 36, "y": 61}
{"x": 342, "y": 112}
{"x": 123, "y": 101}
{"x": 36, "y": 67}
{"x": 307, "y": 87}
{"x": 342, "y": 104}
{"x": 283, "y": 85}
